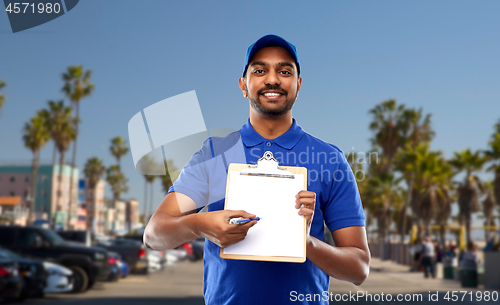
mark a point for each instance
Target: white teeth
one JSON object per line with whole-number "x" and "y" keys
{"x": 272, "y": 94}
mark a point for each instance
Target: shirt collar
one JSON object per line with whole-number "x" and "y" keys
{"x": 287, "y": 140}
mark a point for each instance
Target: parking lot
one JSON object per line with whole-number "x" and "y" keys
{"x": 181, "y": 283}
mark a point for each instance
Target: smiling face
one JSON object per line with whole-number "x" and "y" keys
{"x": 271, "y": 82}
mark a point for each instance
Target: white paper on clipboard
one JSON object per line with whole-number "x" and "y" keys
{"x": 280, "y": 232}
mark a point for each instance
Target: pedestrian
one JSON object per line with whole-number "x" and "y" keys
{"x": 428, "y": 257}
{"x": 271, "y": 82}
{"x": 471, "y": 255}
{"x": 451, "y": 251}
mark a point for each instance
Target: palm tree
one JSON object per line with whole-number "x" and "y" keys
{"x": 149, "y": 180}
{"x": 493, "y": 155}
{"x": 118, "y": 148}
{"x": 468, "y": 191}
{"x": 61, "y": 128}
{"x": 434, "y": 181}
{"x": 428, "y": 177}
{"x": 94, "y": 170}
{"x": 386, "y": 127}
{"x": 2, "y": 96}
{"x": 76, "y": 87}
{"x": 117, "y": 181}
{"x": 415, "y": 129}
{"x": 166, "y": 180}
{"x": 384, "y": 197}
{"x": 147, "y": 165}
{"x": 488, "y": 208}
{"x": 35, "y": 135}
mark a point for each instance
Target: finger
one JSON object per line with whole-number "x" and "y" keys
{"x": 309, "y": 202}
{"x": 305, "y": 194}
{"x": 241, "y": 213}
{"x": 242, "y": 228}
{"x": 306, "y": 212}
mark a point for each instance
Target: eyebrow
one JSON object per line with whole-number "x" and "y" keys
{"x": 281, "y": 64}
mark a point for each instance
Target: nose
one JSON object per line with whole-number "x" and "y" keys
{"x": 272, "y": 78}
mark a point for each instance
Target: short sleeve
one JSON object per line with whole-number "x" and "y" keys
{"x": 344, "y": 207}
{"x": 193, "y": 179}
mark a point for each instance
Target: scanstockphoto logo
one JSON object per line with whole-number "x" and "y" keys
{"x": 25, "y": 15}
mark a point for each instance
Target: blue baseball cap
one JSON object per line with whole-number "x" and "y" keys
{"x": 271, "y": 40}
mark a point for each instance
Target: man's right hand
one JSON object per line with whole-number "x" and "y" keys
{"x": 215, "y": 227}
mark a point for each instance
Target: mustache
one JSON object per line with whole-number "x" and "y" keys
{"x": 275, "y": 88}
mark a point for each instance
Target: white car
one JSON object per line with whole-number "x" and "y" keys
{"x": 59, "y": 280}
{"x": 175, "y": 255}
{"x": 154, "y": 261}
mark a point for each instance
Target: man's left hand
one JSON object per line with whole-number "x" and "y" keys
{"x": 307, "y": 201}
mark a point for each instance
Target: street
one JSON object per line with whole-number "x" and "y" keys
{"x": 182, "y": 284}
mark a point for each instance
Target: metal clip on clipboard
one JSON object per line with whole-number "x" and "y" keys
{"x": 267, "y": 166}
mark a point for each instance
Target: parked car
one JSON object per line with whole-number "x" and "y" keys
{"x": 80, "y": 236}
{"x": 155, "y": 261}
{"x": 32, "y": 271}
{"x": 198, "y": 247}
{"x": 59, "y": 280}
{"x": 88, "y": 264}
{"x": 188, "y": 247}
{"x": 131, "y": 251}
{"x": 124, "y": 267}
{"x": 174, "y": 255}
{"x": 11, "y": 282}
{"x": 116, "y": 271}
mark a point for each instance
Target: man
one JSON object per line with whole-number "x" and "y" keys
{"x": 428, "y": 257}
{"x": 271, "y": 82}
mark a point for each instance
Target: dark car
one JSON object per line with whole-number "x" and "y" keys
{"x": 89, "y": 264}
{"x": 131, "y": 251}
{"x": 11, "y": 282}
{"x": 32, "y": 271}
{"x": 80, "y": 236}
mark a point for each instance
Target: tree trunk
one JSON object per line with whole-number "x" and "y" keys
{"x": 442, "y": 233}
{"x": 407, "y": 203}
{"x": 496, "y": 188}
{"x": 151, "y": 210}
{"x": 73, "y": 166}
{"x": 54, "y": 155}
{"x": 59, "y": 190}
{"x": 31, "y": 217}
{"x": 468, "y": 229}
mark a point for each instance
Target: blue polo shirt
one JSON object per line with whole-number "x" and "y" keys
{"x": 338, "y": 205}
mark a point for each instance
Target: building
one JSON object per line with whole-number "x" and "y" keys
{"x": 120, "y": 221}
{"x": 13, "y": 211}
{"x": 52, "y": 191}
{"x": 95, "y": 206}
{"x": 81, "y": 222}
{"x": 132, "y": 214}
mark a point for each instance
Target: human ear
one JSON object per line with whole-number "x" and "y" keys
{"x": 299, "y": 83}
{"x": 243, "y": 86}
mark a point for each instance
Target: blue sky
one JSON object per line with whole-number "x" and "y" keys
{"x": 439, "y": 55}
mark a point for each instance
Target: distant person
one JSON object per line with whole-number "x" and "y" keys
{"x": 415, "y": 251}
{"x": 471, "y": 254}
{"x": 439, "y": 252}
{"x": 451, "y": 252}
{"x": 428, "y": 257}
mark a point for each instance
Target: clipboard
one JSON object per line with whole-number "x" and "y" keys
{"x": 281, "y": 236}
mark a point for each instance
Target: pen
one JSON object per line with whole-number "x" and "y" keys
{"x": 237, "y": 221}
